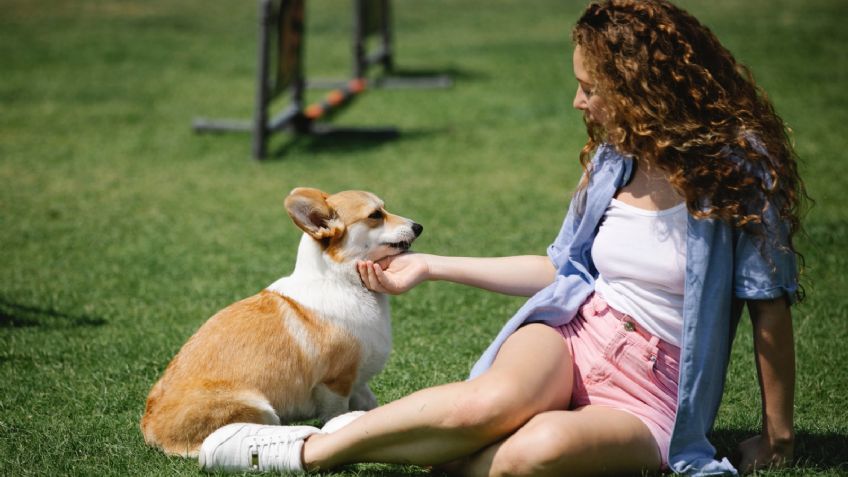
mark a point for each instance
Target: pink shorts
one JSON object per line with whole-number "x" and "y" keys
{"x": 619, "y": 365}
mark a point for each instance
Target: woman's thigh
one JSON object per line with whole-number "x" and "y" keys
{"x": 531, "y": 373}
{"x": 592, "y": 440}
{"x": 533, "y": 369}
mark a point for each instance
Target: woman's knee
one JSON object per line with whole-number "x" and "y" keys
{"x": 552, "y": 443}
{"x": 537, "y": 449}
{"x": 489, "y": 408}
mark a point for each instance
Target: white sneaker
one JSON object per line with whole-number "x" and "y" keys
{"x": 340, "y": 421}
{"x": 244, "y": 447}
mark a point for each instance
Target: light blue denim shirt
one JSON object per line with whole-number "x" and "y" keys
{"x": 721, "y": 262}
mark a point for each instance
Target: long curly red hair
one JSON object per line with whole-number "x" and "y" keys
{"x": 675, "y": 98}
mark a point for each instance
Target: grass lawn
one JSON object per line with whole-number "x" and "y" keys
{"x": 121, "y": 231}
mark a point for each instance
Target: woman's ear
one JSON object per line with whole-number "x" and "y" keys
{"x": 309, "y": 210}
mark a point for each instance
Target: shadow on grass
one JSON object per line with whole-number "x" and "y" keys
{"x": 813, "y": 451}
{"x": 417, "y": 78}
{"x": 13, "y": 315}
{"x": 432, "y": 77}
{"x": 346, "y": 139}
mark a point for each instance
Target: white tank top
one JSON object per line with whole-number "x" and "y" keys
{"x": 641, "y": 259}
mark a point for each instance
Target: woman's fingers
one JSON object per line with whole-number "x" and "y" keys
{"x": 378, "y": 272}
{"x": 366, "y": 274}
{"x": 375, "y": 278}
{"x": 372, "y": 277}
{"x": 360, "y": 268}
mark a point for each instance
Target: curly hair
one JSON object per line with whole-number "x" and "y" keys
{"x": 675, "y": 98}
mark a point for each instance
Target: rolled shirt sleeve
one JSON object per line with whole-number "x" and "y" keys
{"x": 765, "y": 265}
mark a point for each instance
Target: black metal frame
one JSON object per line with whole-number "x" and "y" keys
{"x": 374, "y": 17}
{"x": 371, "y": 17}
{"x": 289, "y": 21}
{"x": 286, "y": 19}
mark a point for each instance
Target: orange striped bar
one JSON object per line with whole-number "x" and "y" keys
{"x": 335, "y": 99}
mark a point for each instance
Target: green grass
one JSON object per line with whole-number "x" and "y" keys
{"x": 121, "y": 231}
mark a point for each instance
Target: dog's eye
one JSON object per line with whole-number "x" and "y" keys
{"x": 376, "y": 215}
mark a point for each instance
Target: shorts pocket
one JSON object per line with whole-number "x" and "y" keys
{"x": 608, "y": 361}
{"x": 665, "y": 377}
{"x": 601, "y": 364}
{"x": 649, "y": 367}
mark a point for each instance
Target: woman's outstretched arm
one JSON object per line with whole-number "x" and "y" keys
{"x": 775, "y": 356}
{"x": 520, "y": 275}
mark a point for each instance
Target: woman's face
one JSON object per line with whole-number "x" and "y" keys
{"x": 584, "y": 99}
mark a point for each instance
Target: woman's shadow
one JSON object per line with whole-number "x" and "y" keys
{"x": 813, "y": 451}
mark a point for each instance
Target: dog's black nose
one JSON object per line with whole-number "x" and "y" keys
{"x": 417, "y": 228}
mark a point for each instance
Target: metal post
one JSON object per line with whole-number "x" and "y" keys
{"x": 386, "y": 33}
{"x": 260, "y": 119}
{"x": 359, "y": 20}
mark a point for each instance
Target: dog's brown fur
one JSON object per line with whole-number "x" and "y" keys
{"x": 213, "y": 384}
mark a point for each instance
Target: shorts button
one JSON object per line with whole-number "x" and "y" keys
{"x": 628, "y": 326}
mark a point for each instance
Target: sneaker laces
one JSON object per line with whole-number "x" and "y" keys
{"x": 275, "y": 452}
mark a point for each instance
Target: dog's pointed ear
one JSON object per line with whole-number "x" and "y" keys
{"x": 309, "y": 210}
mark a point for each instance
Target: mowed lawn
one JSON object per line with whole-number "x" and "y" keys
{"x": 121, "y": 231}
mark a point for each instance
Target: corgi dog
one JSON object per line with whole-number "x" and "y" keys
{"x": 304, "y": 347}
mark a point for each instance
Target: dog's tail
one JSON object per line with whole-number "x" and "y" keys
{"x": 178, "y": 421}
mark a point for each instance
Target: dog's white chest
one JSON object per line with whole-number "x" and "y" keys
{"x": 364, "y": 315}
{"x": 374, "y": 334}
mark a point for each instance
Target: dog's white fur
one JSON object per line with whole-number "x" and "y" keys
{"x": 334, "y": 292}
{"x": 305, "y": 347}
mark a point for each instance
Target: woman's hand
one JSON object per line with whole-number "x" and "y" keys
{"x": 758, "y": 453}
{"x": 395, "y": 274}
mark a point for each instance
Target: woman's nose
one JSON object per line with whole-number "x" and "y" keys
{"x": 579, "y": 100}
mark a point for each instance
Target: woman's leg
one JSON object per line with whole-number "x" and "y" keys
{"x": 532, "y": 373}
{"x": 590, "y": 440}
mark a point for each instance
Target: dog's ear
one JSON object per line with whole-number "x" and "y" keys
{"x": 309, "y": 210}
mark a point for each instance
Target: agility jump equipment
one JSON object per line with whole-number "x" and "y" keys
{"x": 372, "y": 18}
{"x": 280, "y": 71}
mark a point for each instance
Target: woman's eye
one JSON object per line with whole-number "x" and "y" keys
{"x": 376, "y": 215}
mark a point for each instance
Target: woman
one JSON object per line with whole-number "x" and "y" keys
{"x": 685, "y": 213}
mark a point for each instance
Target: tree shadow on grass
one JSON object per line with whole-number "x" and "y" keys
{"x": 14, "y": 315}
{"x": 813, "y": 451}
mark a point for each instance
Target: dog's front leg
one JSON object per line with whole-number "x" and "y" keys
{"x": 329, "y": 404}
{"x": 363, "y": 399}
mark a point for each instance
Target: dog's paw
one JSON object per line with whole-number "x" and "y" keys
{"x": 338, "y": 422}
